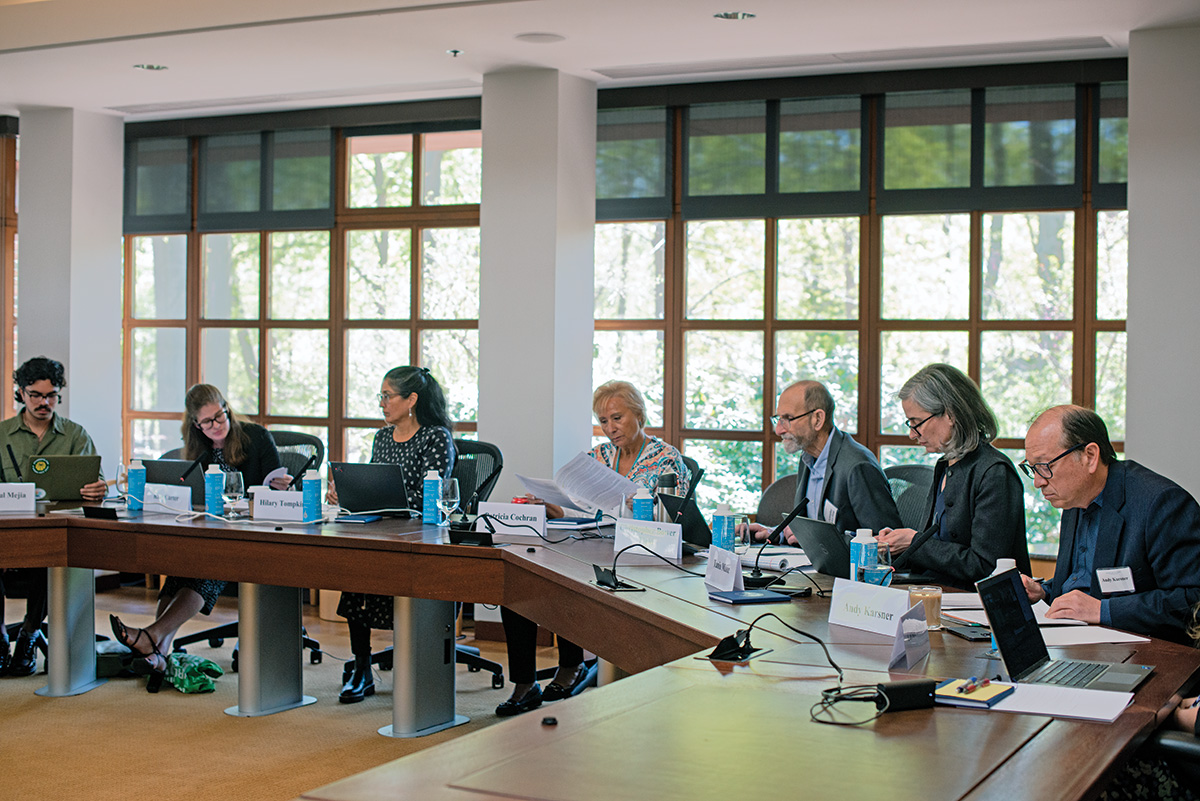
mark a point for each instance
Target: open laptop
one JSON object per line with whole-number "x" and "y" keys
{"x": 829, "y": 550}
{"x": 61, "y": 477}
{"x": 696, "y": 534}
{"x": 1024, "y": 651}
{"x": 370, "y": 487}
{"x": 171, "y": 472}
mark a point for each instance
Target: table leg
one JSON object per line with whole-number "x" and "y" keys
{"x": 423, "y": 669}
{"x": 71, "y": 651}
{"x": 270, "y": 656}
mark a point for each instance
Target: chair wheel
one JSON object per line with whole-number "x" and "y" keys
{"x": 497, "y": 681}
{"x": 216, "y": 642}
{"x": 314, "y": 657}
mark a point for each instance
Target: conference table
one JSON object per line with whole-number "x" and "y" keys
{"x": 681, "y": 727}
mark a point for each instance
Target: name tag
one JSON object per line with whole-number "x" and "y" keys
{"x": 867, "y": 607}
{"x": 724, "y": 570}
{"x": 18, "y": 497}
{"x": 513, "y": 519}
{"x": 1115, "y": 579}
{"x": 167, "y": 498}
{"x": 664, "y": 539}
{"x": 278, "y": 505}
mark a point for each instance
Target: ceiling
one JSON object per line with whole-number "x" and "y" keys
{"x": 238, "y": 56}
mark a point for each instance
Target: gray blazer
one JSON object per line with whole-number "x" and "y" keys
{"x": 855, "y": 484}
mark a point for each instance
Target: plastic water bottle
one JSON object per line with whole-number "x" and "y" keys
{"x": 643, "y": 505}
{"x": 135, "y": 492}
{"x": 214, "y": 485}
{"x": 1001, "y": 566}
{"x": 864, "y": 550}
{"x": 432, "y": 490}
{"x": 722, "y": 527}
{"x": 311, "y": 487}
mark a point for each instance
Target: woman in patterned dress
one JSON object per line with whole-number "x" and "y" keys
{"x": 416, "y": 437}
{"x": 214, "y": 434}
{"x": 640, "y": 457}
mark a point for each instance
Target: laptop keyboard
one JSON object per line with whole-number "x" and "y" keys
{"x": 1068, "y": 673}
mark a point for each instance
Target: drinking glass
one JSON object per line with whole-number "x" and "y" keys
{"x": 931, "y": 597}
{"x": 448, "y": 501}
{"x": 234, "y": 490}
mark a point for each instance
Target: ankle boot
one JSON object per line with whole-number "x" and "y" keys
{"x": 24, "y": 658}
{"x": 361, "y": 682}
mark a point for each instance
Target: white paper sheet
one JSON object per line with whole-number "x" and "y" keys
{"x": 1065, "y": 702}
{"x": 1087, "y": 635}
{"x": 584, "y": 484}
{"x": 979, "y": 617}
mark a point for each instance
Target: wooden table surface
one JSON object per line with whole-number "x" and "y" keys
{"x": 684, "y": 728}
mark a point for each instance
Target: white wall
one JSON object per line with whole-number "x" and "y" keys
{"x": 1164, "y": 252}
{"x": 69, "y": 246}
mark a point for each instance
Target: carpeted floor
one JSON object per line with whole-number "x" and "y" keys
{"x": 120, "y": 742}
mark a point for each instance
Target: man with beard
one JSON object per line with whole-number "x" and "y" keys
{"x": 840, "y": 481}
{"x": 37, "y": 430}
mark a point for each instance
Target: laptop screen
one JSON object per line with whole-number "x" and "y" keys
{"x": 171, "y": 471}
{"x": 695, "y": 531}
{"x": 371, "y": 487}
{"x": 1013, "y": 623}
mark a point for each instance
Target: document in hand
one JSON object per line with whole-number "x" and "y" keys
{"x": 584, "y": 484}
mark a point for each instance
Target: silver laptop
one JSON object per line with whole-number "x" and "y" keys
{"x": 62, "y": 476}
{"x": 1024, "y": 651}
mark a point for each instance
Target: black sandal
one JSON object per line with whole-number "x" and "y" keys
{"x": 154, "y": 681}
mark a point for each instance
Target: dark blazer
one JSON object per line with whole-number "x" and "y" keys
{"x": 855, "y": 484}
{"x": 261, "y": 456}
{"x": 984, "y": 517}
{"x": 1151, "y": 525}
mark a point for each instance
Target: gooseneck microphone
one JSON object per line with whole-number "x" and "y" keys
{"x": 16, "y": 467}
{"x": 299, "y": 476}
{"x": 755, "y": 579}
{"x": 191, "y": 468}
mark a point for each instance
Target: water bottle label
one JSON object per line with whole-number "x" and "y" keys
{"x": 213, "y": 484}
{"x": 136, "y": 492}
{"x": 312, "y": 500}
{"x": 429, "y": 508}
{"x": 643, "y": 509}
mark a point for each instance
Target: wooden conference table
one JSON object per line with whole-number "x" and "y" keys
{"x": 688, "y": 729}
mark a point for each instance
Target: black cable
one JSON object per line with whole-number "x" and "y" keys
{"x": 813, "y": 637}
{"x": 652, "y": 553}
{"x": 821, "y": 592}
{"x": 506, "y": 524}
{"x": 857, "y": 692}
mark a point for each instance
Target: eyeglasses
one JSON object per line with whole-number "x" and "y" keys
{"x": 917, "y": 426}
{"x": 384, "y": 397}
{"x": 788, "y": 419}
{"x": 1043, "y": 468}
{"x": 51, "y": 397}
{"x": 216, "y": 419}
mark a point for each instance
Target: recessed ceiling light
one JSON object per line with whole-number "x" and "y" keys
{"x": 539, "y": 38}
{"x": 149, "y": 67}
{"x": 734, "y": 15}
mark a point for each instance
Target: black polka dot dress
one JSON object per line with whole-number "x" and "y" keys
{"x": 431, "y": 448}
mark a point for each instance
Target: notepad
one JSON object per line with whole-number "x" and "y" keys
{"x": 748, "y": 596}
{"x": 981, "y": 698}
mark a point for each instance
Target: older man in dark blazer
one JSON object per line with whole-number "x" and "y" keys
{"x": 1129, "y": 543}
{"x": 839, "y": 480}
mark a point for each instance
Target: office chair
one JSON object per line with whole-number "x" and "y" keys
{"x": 477, "y": 467}
{"x": 1181, "y": 750}
{"x": 295, "y": 449}
{"x": 776, "y": 501}
{"x": 910, "y": 485}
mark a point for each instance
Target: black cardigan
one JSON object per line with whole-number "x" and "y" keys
{"x": 261, "y": 456}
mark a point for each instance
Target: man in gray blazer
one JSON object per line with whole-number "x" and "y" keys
{"x": 840, "y": 481}
{"x": 1129, "y": 543}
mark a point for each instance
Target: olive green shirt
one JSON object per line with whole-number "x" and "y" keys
{"x": 63, "y": 438}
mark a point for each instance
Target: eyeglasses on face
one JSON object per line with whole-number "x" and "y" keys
{"x": 384, "y": 397}
{"x": 1043, "y": 468}
{"x": 788, "y": 419}
{"x": 917, "y": 425}
{"x": 51, "y": 397}
{"x": 216, "y": 419}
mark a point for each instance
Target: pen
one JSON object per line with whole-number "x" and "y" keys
{"x": 968, "y": 685}
{"x": 975, "y": 687}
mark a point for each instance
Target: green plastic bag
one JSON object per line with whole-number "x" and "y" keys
{"x": 192, "y": 674}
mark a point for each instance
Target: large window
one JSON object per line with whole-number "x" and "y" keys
{"x": 8, "y": 255}
{"x": 987, "y": 239}
{"x": 298, "y": 324}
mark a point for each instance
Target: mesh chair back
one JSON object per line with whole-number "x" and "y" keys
{"x": 296, "y": 448}
{"x": 777, "y": 501}
{"x": 910, "y": 485}
{"x": 477, "y": 467}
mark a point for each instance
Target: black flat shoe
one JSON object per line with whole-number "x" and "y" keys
{"x": 24, "y": 656}
{"x": 584, "y": 677}
{"x": 360, "y": 683}
{"x": 532, "y": 699}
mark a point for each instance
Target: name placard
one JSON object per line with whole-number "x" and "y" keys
{"x": 513, "y": 519}
{"x": 912, "y": 638}
{"x": 724, "y": 570}
{"x": 167, "y": 498}
{"x": 867, "y": 607}
{"x": 18, "y": 497}
{"x": 277, "y": 505}
{"x": 665, "y": 539}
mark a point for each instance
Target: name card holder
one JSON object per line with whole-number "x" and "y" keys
{"x": 277, "y": 505}
{"x": 513, "y": 519}
{"x": 167, "y": 498}
{"x": 18, "y": 497}
{"x": 664, "y": 539}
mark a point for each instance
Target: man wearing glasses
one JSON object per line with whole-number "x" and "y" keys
{"x": 1129, "y": 542}
{"x": 840, "y": 479}
{"x": 37, "y": 429}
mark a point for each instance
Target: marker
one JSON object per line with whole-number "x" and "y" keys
{"x": 968, "y": 685}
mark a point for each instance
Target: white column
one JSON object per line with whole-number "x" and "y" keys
{"x": 537, "y": 218}
{"x": 69, "y": 246}
{"x": 1164, "y": 243}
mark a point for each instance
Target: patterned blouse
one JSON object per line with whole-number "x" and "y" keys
{"x": 431, "y": 448}
{"x": 656, "y": 458}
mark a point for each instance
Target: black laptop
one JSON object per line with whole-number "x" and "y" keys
{"x": 377, "y": 488}
{"x": 1024, "y": 651}
{"x": 829, "y": 550}
{"x": 696, "y": 534}
{"x": 171, "y": 471}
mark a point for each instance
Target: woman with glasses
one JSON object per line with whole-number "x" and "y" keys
{"x": 214, "y": 434}
{"x": 416, "y": 437}
{"x": 976, "y": 503}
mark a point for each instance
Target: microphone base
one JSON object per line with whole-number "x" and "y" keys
{"x": 752, "y": 582}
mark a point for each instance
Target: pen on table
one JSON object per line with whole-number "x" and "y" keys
{"x": 968, "y": 685}
{"x": 977, "y": 686}
{"x": 311, "y": 460}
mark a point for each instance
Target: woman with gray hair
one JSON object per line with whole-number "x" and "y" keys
{"x": 976, "y": 504}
